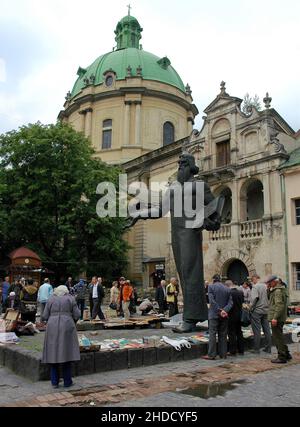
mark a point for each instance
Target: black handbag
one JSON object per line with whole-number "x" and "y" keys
{"x": 245, "y": 318}
{"x": 113, "y": 306}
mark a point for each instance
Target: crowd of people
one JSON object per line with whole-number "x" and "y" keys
{"x": 265, "y": 302}
{"x": 27, "y": 296}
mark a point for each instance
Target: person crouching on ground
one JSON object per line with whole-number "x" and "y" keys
{"x": 277, "y": 316}
{"x": 61, "y": 346}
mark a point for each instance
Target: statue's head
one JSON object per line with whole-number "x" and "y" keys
{"x": 187, "y": 168}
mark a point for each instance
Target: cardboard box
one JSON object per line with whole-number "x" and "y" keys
{"x": 10, "y": 321}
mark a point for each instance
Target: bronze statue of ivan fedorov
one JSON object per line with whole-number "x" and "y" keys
{"x": 193, "y": 209}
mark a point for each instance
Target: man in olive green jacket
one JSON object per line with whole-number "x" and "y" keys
{"x": 277, "y": 316}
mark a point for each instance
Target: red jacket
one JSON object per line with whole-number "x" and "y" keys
{"x": 127, "y": 293}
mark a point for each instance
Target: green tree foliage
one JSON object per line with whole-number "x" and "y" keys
{"x": 48, "y": 181}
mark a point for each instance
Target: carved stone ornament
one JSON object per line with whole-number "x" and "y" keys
{"x": 267, "y": 101}
{"x": 129, "y": 71}
{"x": 279, "y": 148}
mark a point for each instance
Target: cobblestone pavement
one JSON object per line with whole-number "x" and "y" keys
{"x": 161, "y": 385}
{"x": 278, "y": 388}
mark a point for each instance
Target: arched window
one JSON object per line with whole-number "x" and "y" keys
{"x": 169, "y": 133}
{"x": 252, "y": 200}
{"x": 107, "y": 135}
{"x": 133, "y": 39}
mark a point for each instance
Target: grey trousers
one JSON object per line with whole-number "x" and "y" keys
{"x": 220, "y": 327}
{"x": 260, "y": 322}
{"x": 42, "y": 308}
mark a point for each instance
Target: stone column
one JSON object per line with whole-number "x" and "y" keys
{"x": 126, "y": 134}
{"x": 138, "y": 123}
{"x": 235, "y": 222}
{"x": 82, "y": 124}
{"x": 88, "y": 122}
{"x": 267, "y": 197}
{"x": 234, "y": 137}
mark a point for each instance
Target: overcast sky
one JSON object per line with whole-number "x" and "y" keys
{"x": 253, "y": 45}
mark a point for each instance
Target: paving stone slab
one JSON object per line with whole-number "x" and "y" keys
{"x": 163, "y": 354}
{"x": 119, "y": 360}
{"x": 103, "y": 361}
{"x": 2, "y": 355}
{"x": 193, "y": 353}
{"x": 135, "y": 358}
{"x": 86, "y": 366}
{"x": 177, "y": 356}
{"x": 149, "y": 356}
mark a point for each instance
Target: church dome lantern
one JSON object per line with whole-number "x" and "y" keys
{"x": 128, "y": 33}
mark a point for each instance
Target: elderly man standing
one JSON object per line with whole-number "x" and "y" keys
{"x": 259, "y": 308}
{"x": 277, "y": 316}
{"x": 221, "y": 303}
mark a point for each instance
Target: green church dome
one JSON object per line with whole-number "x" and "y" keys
{"x": 128, "y": 60}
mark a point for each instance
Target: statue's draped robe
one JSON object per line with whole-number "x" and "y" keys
{"x": 188, "y": 254}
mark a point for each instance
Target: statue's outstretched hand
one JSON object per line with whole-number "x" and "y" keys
{"x": 212, "y": 224}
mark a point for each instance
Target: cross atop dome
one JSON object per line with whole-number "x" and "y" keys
{"x": 128, "y": 32}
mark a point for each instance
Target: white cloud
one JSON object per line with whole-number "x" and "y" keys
{"x": 2, "y": 71}
{"x": 253, "y": 46}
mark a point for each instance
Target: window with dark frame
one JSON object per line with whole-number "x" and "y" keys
{"x": 169, "y": 133}
{"x": 109, "y": 80}
{"x": 297, "y": 276}
{"x": 107, "y": 135}
{"x": 223, "y": 154}
{"x": 297, "y": 211}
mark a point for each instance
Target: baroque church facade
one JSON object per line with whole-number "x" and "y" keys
{"x": 138, "y": 113}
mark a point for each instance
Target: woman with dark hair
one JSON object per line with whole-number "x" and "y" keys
{"x": 61, "y": 346}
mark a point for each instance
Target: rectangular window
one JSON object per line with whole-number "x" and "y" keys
{"x": 107, "y": 135}
{"x": 296, "y": 271}
{"x": 297, "y": 211}
{"x": 223, "y": 154}
{"x": 107, "y": 138}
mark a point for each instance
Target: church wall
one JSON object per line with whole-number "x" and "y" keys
{"x": 154, "y": 112}
{"x": 293, "y": 231}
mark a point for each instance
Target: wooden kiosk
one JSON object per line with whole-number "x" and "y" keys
{"x": 25, "y": 263}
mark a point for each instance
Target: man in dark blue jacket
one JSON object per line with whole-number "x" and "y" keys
{"x": 220, "y": 305}
{"x": 97, "y": 295}
{"x": 235, "y": 333}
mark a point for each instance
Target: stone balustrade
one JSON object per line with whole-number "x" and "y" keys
{"x": 248, "y": 230}
{"x": 223, "y": 234}
{"x": 252, "y": 229}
